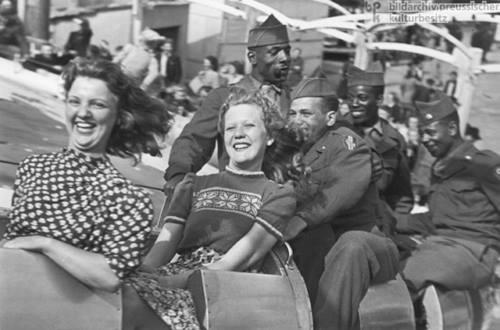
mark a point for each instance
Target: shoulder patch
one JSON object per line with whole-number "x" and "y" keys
{"x": 350, "y": 142}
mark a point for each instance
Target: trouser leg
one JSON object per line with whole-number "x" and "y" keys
{"x": 357, "y": 260}
{"x": 454, "y": 264}
{"x": 310, "y": 250}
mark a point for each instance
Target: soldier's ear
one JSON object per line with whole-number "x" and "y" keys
{"x": 252, "y": 56}
{"x": 453, "y": 128}
{"x": 331, "y": 117}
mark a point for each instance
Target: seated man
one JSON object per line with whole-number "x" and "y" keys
{"x": 463, "y": 222}
{"x": 338, "y": 247}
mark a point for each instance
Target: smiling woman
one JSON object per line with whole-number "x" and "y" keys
{"x": 224, "y": 221}
{"x": 73, "y": 205}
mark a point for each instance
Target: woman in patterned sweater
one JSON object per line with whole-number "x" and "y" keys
{"x": 223, "y": 221}
{"x": 73, "y": 205}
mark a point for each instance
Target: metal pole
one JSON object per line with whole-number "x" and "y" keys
{"x": 137, "y": 16}
{"x": 466, "y": 82}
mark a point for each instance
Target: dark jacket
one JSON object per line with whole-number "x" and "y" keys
{"x": 395, "y": 183}
{"x": 464, "y": 198}
{"x": 79, "y": 41}
{"x": 173, "y": 70}
{"x": 194, "y": 147}
{"x": 342, "y": 192}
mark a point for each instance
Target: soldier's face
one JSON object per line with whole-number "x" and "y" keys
{"x": 271, "y": 62}
{"x": 363, "y": 103}
{"x": 306, "y": 115}
{"x": 438, "y": 138}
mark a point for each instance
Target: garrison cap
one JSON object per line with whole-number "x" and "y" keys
{"x": 313, "y": 87}
{"x": 429, "y": 112}
{"x": 373, "y": 76}
{"x": 270, "y": 32}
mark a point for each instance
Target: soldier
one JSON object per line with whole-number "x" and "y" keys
{"x": 365, "y": 95}
{"x": 338, "y": 248}
{"x": 269, "y": 54}
{"x": 464, "y": 208}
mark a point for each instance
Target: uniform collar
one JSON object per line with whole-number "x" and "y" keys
{"x": 377, "y": 128}
{"x": 259, "y": 84}
{"x": 455, "y": 161}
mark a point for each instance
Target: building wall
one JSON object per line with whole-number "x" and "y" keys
{"x": 203, "y": 36}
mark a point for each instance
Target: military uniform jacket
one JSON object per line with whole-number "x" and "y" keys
{"x": 341, "y": 191}
{"x": 194, "y": 147}
{"x": 464, "y": 196}
{"x": 395, "y": 183}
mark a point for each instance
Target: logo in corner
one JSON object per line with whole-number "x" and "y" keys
{"x": 350, "y": 143}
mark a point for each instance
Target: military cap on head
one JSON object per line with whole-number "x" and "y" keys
{"x": 270, "y": 32}
{"x": 313, "y": 87}
{"x": 371, "y": 77}
{"x": 429, "y": 112}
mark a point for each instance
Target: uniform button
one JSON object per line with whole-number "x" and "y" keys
{"x": 323, "y": 147}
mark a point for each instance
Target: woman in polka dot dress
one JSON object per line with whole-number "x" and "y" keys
{"x": 73, "y": 205}
{"x": 223, "y": 221}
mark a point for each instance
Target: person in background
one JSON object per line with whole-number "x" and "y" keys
{"x": 472, "y": 134}
{"x": 296, "y": 68}
{"x": 226, "y": 221}
{"x": 209, "y": 76}
{"x": 232, "y": 72}
{"x": 12, "y": 33}
{"x": 47, "y": 55}
{"x": 269, "y": 55}
{"x": 79, "y": 40}
{"x": 394, "y": 108}
{"x": 450, "y": 86}
{"x": 139, "y": 61}
{"x": 455, "y": 30}
{"x": 72, "y": 205}
{"x": 170, "y": 65}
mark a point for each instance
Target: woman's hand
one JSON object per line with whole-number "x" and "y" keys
{"x": 30, "y": 243}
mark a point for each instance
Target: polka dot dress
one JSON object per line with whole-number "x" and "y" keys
{"x": 84, "y": 202}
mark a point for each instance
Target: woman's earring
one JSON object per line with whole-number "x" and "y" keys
{"x": 270, "y": 142}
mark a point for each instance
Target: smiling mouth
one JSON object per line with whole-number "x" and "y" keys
{"x": 357, "y": 112}
{"x": 241, "y": 146}
{"x": 84, "y": 126}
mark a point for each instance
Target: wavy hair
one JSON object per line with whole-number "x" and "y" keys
{"x": 283, "y": 159}
{"x": 142, "y": 121}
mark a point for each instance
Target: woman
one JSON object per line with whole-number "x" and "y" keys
{"x": 73, "y": 206}
{"x": 209, "y": 76}
{"x": 224, "y": 221}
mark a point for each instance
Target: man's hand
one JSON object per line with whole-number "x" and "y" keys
{"x": 169, "y": 187}
{"x": 294, "y": 228}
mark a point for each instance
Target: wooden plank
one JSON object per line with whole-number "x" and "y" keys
{"x": 36, "y": 294}
{"x": 387, "y": 306}
{"x": 233, "y": 300}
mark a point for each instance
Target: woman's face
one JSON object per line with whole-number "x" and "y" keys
{"x": 245, "y": 137}
{"x": 91, "y": 113}
{"x": 207, "y": 65}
